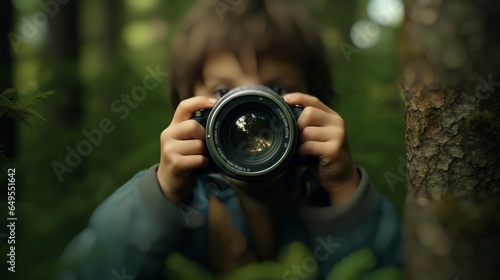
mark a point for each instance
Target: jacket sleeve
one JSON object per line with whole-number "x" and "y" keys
{"x": 367, "y": 220}
{"x": 129, "y": 234}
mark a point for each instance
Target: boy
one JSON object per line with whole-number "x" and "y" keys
{"x": 223, "y": 223}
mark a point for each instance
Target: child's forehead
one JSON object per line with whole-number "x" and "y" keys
{"x": 248, "y": 59}
{"x": 249, "y": 68}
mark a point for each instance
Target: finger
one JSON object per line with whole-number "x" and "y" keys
{"x": 186, "y": 130}
{"x": 319, "y": 149}
{"x": 187, "y": 107}
{"x": 180, "y": 164}
{"x": 306, "y": 100}
{"x": 312, "y": 116}
{"x": 185, "y": 147}
{"x": 319, "y": 134}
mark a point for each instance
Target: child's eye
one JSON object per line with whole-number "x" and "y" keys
{"x": 221, "y": 92}
{"x": 279, "y": 90}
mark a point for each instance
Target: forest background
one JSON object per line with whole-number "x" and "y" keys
{"x": 93, "y": 54}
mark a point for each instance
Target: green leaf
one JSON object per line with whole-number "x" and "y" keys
{"x": 182, "y": 268}
{"x": 291, "y": 256}
{"x": 386, "y": 273}
{"x": 354, "y": 265}
{"x": 20, "y": 108}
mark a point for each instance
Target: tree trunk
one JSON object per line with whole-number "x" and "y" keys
{"x": 65, "y": 113}
{"x": 62, "y": 57}
{"x": 452, "y": 85}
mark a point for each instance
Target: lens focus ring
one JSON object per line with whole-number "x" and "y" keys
{"x": 251, "y": 133}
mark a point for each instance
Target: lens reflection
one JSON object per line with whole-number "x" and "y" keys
{"x": 252, "y": 130}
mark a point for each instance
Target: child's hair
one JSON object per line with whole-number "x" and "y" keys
{"x": 280, "y": 28}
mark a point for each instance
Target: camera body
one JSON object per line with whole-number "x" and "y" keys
{"x": 250, "y": 133}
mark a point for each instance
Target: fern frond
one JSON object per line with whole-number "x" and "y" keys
{"x": 20, "y": 108}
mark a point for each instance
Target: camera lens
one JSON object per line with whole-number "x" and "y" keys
{"x": 251, "y": 137}
{"x": 251, "y": 133}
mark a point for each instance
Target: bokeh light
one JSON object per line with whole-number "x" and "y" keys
{"x": 141, "y": 5}
{"x": 365, "y": 34}
{"x": 386, "y": 12}
{"x": 138, "y": 34}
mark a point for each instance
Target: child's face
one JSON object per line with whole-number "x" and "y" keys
{"x": 222, "y": 71}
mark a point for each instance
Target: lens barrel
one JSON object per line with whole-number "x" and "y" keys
{"x": 251, "y": 133}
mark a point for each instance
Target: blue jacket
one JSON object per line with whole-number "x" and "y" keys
{"x": 131, "y": 234}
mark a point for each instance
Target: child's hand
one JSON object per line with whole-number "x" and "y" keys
{"x": 323, "y": 135}
{"x": 182, "y": 150}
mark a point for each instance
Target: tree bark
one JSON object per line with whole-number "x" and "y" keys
{"x": 452, "y": 86}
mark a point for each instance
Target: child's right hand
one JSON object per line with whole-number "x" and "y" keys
{"x": 182, "y": 150}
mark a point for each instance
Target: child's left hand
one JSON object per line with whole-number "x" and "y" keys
{"x": 323, "y": 135}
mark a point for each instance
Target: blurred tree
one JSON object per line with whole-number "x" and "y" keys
{"x": 62, "y": 55}
{"x": 40, "y": 194}
{"x": 341, "y": 14}
{"x": 59, "y": 57}
{"x": 452, "y": 85}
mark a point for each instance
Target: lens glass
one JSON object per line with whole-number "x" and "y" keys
{"x": 252, "y": 129}
{"x": 249, "y": 138}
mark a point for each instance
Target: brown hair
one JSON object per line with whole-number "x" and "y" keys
{"x": 281, "y": 27}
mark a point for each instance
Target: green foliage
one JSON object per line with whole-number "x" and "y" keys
{"x": 109, "y": 67}
{"x": 292, "y": 255}
{"x": 20, "y": 107}
{"x": 359, "y": 265}
{"x": 353, "y": 265}
{"x": 182, "y": 268}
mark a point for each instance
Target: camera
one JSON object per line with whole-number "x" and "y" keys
{"x": 250, "y": 133}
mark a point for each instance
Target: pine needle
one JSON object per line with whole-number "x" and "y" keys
{"x": 20, "y": 108}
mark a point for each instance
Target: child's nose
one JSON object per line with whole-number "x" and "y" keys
{"x": 249, "y": 80}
